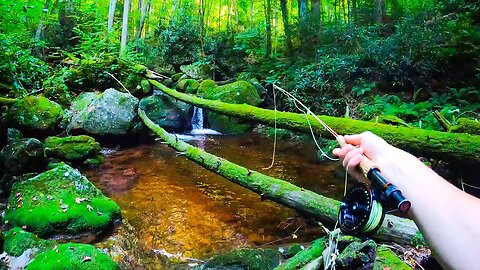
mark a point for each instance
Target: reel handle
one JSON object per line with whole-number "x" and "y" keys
{"x": 372, "y": 173}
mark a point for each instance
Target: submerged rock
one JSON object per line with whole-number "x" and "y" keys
{"x": 166, "y": 112}
{"x": 245, "y": 259}
{"x": 23, "y": 156}
{"x": 73, "y": 148}
{"x": 240, "y": 92}
{"x": 48, "y": 254}
{"x": 34, "y": 114}
{"x": 108, "y": 113}
{"x": 60, "y": 201}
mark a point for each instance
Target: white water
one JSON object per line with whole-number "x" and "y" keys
{"x": 198, "y": 125}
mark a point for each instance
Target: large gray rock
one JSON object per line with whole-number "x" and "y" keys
{"x": 108, "y": 113}
{"x": 166, "y": 112}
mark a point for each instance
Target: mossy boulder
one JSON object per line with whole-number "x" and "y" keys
{"x": 51, "y": 255}
{"x": 387, "y": 259}
{"x": 188, "y": 86}
{"x": 33, "y": 115}
{"x": 18, "y": 240}
{"x": 197, "y": 72}
{"x": 108, "y": 113}
{"x": 176, "y": 77}
{"x": 73, "y": 148}
{"x": 72, "y": 257}
{"x": 240, "y": 92}
{"x": 58, "y": 202}
{"x": 166, "y": 112}
{"x": 245, "y": 259}
{"x": 23, "y": 156}
{"x": 465, "y": 125}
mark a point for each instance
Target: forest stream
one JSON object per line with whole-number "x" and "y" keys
{"x": 176, "y": 212}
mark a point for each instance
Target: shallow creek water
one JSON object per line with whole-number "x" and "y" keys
{"x": 176, "y": 211}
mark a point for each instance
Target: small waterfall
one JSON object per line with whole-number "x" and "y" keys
{"x": 198, "y": 124}
{"x": 197, "y": 119}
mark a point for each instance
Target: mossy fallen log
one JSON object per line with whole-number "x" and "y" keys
{"x": 6, "y": 101}
{"x": 435, "y": 144}
{"x": 305, "y": 256}
{"x": 322, "y": 208}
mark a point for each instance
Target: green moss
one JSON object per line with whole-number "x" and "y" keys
{"x": 176, "y": 76}
{"x": 251, "y": 259}
{"x": 465, "y": 125}
{"x": 18, "y": 240}
{"x": 60, "y": 201}
{"x": 72, "y": 257}
{"x": 305, "y": 256}
{"x": 387, "y": 259}
{"x": 206, "y": 86}
{"x": 34, "y": 113}
{"x": 73, "y": 148}
{"x": 390, "y": 120}
{"x": 188, "y": 86}
{"x": 94, "y": 162}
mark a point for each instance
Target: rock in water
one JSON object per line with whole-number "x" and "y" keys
{"x": 51, "y": 255}
{"x": 23, "y": 156}
{"x": 108, "y": 113}
{"x": 60, "y": 201}
{"x": 240, "y": 92}
{"x": 33, "y": 115}
{"x": 166, "y": 112}
{"x": 245, "y": 259}
{"x": 73, "y": 148}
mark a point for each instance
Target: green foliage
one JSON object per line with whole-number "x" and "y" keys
{"x": 180, "y": 41}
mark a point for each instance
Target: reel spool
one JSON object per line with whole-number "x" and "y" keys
{"x": 361, "y": 212}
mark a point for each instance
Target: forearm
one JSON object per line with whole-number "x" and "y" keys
{"x": 448, "y": 218}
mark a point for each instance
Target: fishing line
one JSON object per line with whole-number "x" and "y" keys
{"x": 275, "y": 133}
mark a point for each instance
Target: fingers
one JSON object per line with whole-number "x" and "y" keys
{"x": 353, "y": 139}
{"x": 351, "y": 157}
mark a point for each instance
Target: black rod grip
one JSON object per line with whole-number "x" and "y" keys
{"x": 391, "y": 192}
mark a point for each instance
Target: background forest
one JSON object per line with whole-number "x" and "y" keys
{"x": 341, "y": 57}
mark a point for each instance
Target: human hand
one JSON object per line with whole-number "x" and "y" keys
{"x": 368, "y": 144}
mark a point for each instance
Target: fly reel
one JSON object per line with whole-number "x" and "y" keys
{"x": 361, "y": 211}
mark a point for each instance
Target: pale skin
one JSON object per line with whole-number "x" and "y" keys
{"x": 448, "y": 218}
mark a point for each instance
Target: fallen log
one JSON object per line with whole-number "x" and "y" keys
{"x": 435, "y": 144}
{"x": 324, "y": 209}
{"x": 6, "y": 101}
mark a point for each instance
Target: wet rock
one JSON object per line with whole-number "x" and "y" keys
{"x": 23, "y": 156}
{"x": 240, "y": 92}
{"x": 166, "y": 112}
{"x": 73, "y": 148}
{"x": 197, "y": 72}
{"x": 108, "y": 113}
{"x": 357, "y": 256}
{"x": 388, "y": 260}
{"x": 188, "y": 86}
{"x": 60, "y": 201}
{"x": 34, "y": 115}
{"x": 245, "y": 259}
{"x": 48, "y": 254}
{"x": 14, "y": 135}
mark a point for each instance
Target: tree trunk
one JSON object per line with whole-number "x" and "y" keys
{"x": 316, "y": 11}
{"x": 286, "y": 26}
{"x": 145, "y": 8}
{"x": 430, "y": 143}
{"x": 324, "y": 209}
{"x": 67, "y": 19}
{"x": 38, "y": 33}
{"x": 302, "y": 10}
{"x": 379, "y": 11}
{"x": 252, "y": 13}
{"x": 111, "y": 15}
{"x": 201, "y": 14}
{"x": 268, "y": 11}
{"x": 126, "y": 11}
